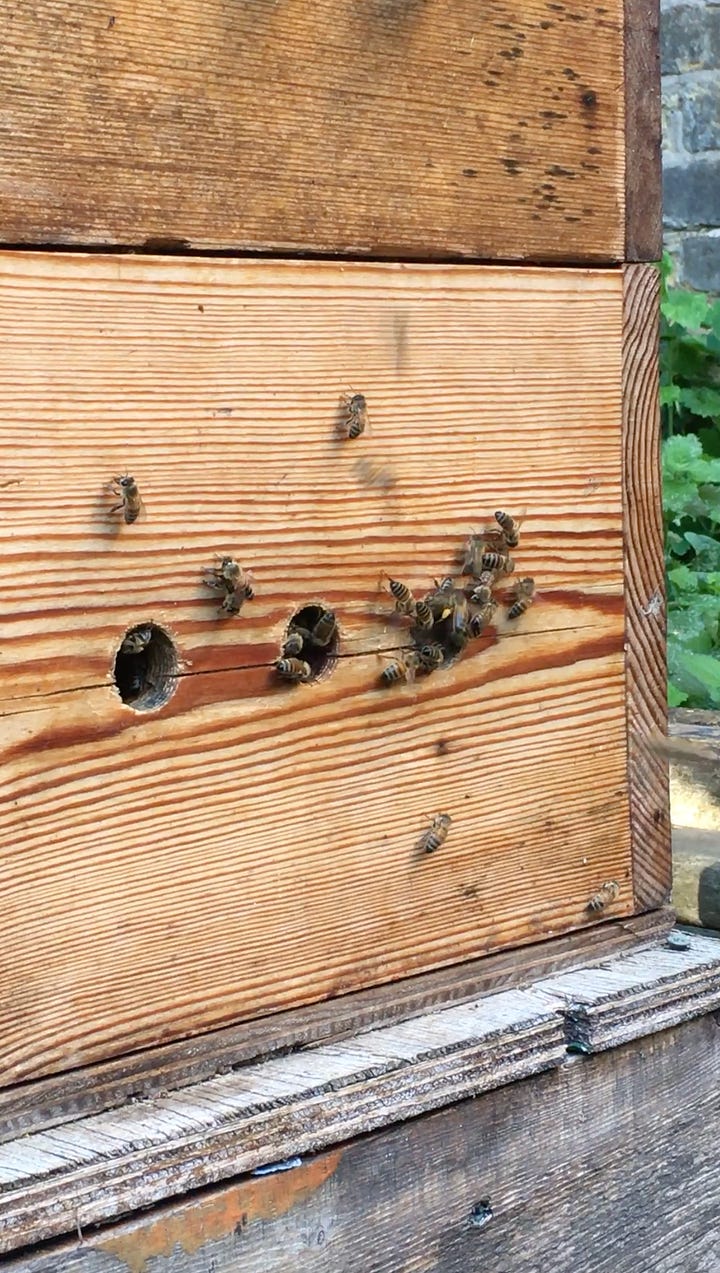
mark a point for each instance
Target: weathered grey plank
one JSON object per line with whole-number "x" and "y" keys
{"x": 60, "y": 1098}
{"x": 605, "y": 1165}
{"x": 101, "y": 1167}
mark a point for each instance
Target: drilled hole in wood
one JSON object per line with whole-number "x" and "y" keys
{"x": 146, "y": 667}
{"x": 315, "y": 624}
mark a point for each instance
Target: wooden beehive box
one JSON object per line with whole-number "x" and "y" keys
{"x": 230, "y": 844}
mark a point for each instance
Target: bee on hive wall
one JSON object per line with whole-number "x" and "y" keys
{"x": 356, "y": 415}
{"x": 230, "y": 578}
{"x": 510, "y": 528}
{"x": 524, "y": 595}
{"x": 606, "y": 894}
{"x": 130, "y": 502}
{"x": 292, "y": 669}
{"x": 404, "y": 599}
{"x": 402, "y": 668}
{"x": 500, "y": 563}
{"x": 436, "y": 834}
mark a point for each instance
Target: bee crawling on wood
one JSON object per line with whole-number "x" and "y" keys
{"x": 402, "y": 668}
{"x": 404, "y": 599}
{"x": 604, "y": 896}
{"x": 292, "y": 669}
{"x": 356, "y": 415}
{"x": 130, "y": 502}
{"x": 424, "y": 617}
{"x": 137, "y": 641}
{"x": 230, "y": 578}
{"x": 524, "y": 596}
{"x": 481, "y": 594}
{"x": 436, "y": 834}
{"x": 442, "y": 599}
{"x": 481, "y": 618}
{"x": 510, "y": 528}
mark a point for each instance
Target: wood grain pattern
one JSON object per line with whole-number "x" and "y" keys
{"x": 252, "y": 846}
{"x": 643, "y": 131}
{"x": 391, "y": 129}
{"x": 620, "y": 1176}
{"x": 97, "y": 1168}
{"x": 644, "y": 590}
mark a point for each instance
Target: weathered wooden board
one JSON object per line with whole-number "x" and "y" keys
{"x": 394, "y": 129}
{"x": 251, "y": 845}
{"x": 96, "y": 1168}
{"x": 61, "y": 1098}
{"x": 619, "y": 1176}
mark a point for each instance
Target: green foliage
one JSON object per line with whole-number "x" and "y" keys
{"x": 690, "y": 403}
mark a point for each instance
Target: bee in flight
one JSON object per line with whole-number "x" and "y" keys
{"x": 292, "y": 669}
{"x": 356, "y": 415}
{"x": 126, "y": 488}
{"x": 436, "y": 834}
{"x": 524, "y": 596}
{"x": 604, "y": 896}
{"x": 510, "y": 528}
{"x": 402, "y": 668}
{"x": 137, "y": 641}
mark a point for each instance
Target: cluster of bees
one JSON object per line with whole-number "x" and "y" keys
{"x": 303, "y": 644}
{"x": 447, "y": 618}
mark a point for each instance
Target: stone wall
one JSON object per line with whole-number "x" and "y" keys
{"x": 691, "y": 138}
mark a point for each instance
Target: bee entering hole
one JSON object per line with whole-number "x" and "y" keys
{"x": 310, "y": 644}
{"x": 146, "y": 667}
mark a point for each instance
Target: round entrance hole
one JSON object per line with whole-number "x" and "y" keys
{"x": 146, "y": 667}
{"x": 313, "y": 623}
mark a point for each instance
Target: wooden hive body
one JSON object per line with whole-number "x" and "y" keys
{"x": 251, "y": 845}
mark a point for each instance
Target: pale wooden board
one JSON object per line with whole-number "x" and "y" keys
{"x": 253, "y": 846}
{"x": 415, "y": 129}
{"x": 100, "y": 1167}
{"x": 619, "y": 1176}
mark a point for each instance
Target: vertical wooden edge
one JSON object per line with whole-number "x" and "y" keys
{"x": 643, "y": 131}
{"x": 644, "y": 571}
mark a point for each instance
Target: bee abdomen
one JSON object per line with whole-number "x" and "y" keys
{"x": 293, "y": 669}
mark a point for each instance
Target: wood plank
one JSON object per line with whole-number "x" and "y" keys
{"x": 46, "y": 1103}
{"x": 97, "y": 1168}
{"x": 401, "y": 130}
{"x": 643, "y": 131}
{"x": 164, "y": 876}
{"x": 619, "y": 1176}
{"x": 644, "y": 590}
{"x": 85, "y": 1172}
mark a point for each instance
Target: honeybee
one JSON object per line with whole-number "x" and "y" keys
{"x": 401, "y": 669}
{"x": 424, "y": 617}
{"x": 404, "y": 599}
{"x": 474, "y": 549}
{"x": 293, "y": 644}
{"x": 459, "y": 634}
{"x": 481, "y": 618}
{"x": 604, "y": 896}
{"x": 135, "y": 642}
{"x": 232, "y": 577}
{"x": 524, "y": 595}
{"x": 431, "y": 657}
{"x": 486, "y": 578}
{"x": 324, "y": 629}
{"x": 502, "y": 563}
{"x": 481, "y": 594}
{"x": 436, "y": 834}
{"x": 232, "y": 602}
{"x": 441, "y": 600}
{"x": 293, "y": 669}
{"x": 356, "y": 416}
{"x": 130, "y": 502}
{"x": 509, "y": 527}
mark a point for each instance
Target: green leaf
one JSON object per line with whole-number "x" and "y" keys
{"x": 679, "y": 453}
{"x": 702, "y": 401}
{"x": 683, "y": 579}
{"x": 669, "y": 394}
{"x": 685, "y": 308}
{"x": 704, "y": 669}
{"x": 676, "y": 698}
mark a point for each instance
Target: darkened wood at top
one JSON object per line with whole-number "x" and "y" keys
{"x": 413, "y": 128}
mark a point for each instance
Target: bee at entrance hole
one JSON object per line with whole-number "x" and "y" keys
{"x": 510, "y": 528}
{"x": 480, "y": 595}
{"x": 293, "y": 669}
{"x": 404, "y": 599}
{"x": 293, "y": 644}
{"x": 524, "y": 595}
{"x": 431, "y": 657}
{"x": 356, "y": 415}
{"x": 501, "y": 563}
{"x": 135, "y": 642}
{"x": 130, "y": 502}
{"x": 324, "y": 630}
{"x": 441, "y": 600}
{"x": 459, "y": 634}
{"x": 424, "y": 617}
{"x": 606, "y": 894}
{"x": 401, "y": 669}
{"x": 436, "y": 834}
{"x": 481, "y": 618}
